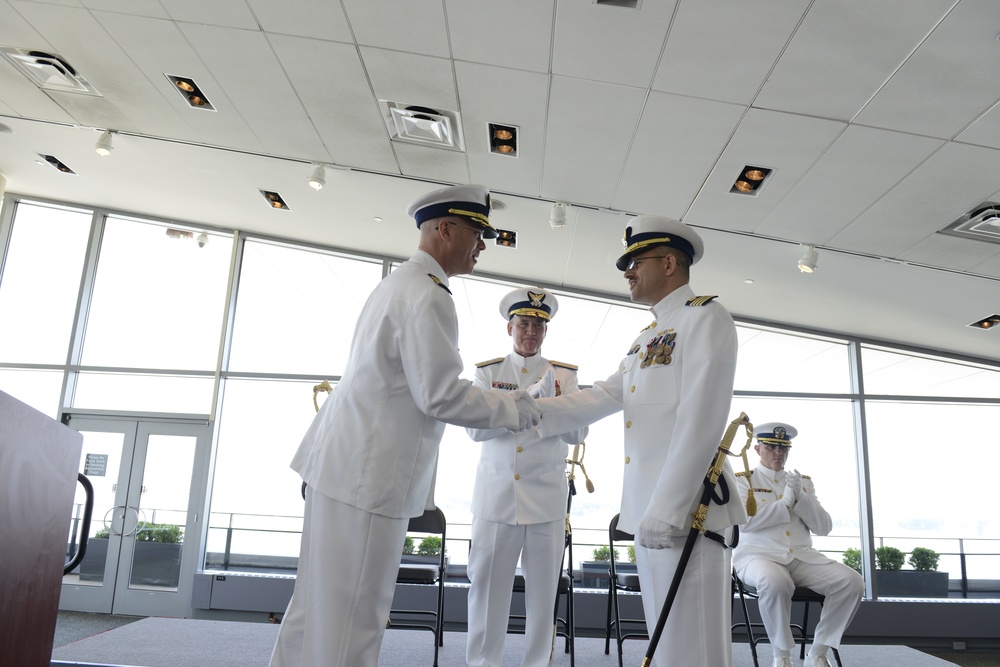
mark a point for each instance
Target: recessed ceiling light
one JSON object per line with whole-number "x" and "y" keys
{"x": 274, "y": 200}
{"x": 987, "y": 322}
{"x": 506, "y": 238}
{"x": 190, "y": 91}
{"x": 55, "y": 163}
{"x": 750, "y": 180}
{"x": 503, "y": 139}
{"x": 749, "y": 281}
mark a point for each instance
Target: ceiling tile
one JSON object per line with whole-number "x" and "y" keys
{"x": 724, "y": 49}
{"x": 506, "y": 33}
{"x": 985, "y": 131}
{"x": 151, "y": 8}
{"x": 331, "y": 83}
{"x": 158, "y": 48}
{"x": 510, "y": 97}
{"x": 655, "y": 180}
{"x": 608, "y": 43}
{"x": 435, "y": 164}
{"x": 226, "y": 13}
{"x": 950, "y": 252}
{"x": 392, "y": 78}
{"x": 417, "y": 26}
{"x": 861, "y": 165}
{"x": 965, "y": 41}
{"x": 306, "y": 18}
{"x": 589, "y": 128}
{"x": 938, "y": 192}
{"x": 842, "y": 54}
{"x": 786, "y": 143}
{"x": 246, "y": 68}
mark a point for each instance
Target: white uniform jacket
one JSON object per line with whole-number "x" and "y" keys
{"x": 777, "y": 532}
{"x": 676, "y": 408}
{"x": 374, "y": 443}
{"x": 521, "y": 478}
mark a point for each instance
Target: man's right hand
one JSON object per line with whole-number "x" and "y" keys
{"x": 528, "y": 413}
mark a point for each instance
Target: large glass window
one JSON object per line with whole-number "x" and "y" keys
{"x": 296, "y": 309}
{"x": 779, "y": 361}
{"x": 159, "y": 297}
{"x": 897, "y": 374}
{"x": 41, "y": 282}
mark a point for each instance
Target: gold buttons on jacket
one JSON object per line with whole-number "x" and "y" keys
{"x": 788, "y": 533}
{"x": 520, "y": 449}
{"x": 517, "y": 477}
{"x": 628, "y": 424}
{"x": 628, "y": 459}
{"x": 632, "y": 388}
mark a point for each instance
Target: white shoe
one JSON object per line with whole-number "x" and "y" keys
{"x": 816, "y": 661}
{"x": 783, "y": 661}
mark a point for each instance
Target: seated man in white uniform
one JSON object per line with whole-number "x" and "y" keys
{"x": 775, "y": 552}
{"x": 519, "y": 500}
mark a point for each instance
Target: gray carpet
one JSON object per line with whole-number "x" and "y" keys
{"x": 169, "y": 642}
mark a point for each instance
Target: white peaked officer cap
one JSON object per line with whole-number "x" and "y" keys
{"x": 775, "y": 433}
{"x": 471, "y": 202}
{"x": 529, "y": 302}
{"x": 649, "y": 231}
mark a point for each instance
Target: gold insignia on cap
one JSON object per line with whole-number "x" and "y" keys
{"x": 536, "y": 298}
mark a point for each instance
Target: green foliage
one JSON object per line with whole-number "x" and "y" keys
{"x": 889, "y": 558}
{"x": 631, "y": 553}
{"x": 923, "y": 560}
{"x": 407, "y": 545}
{"x": 602, "y": 554}
{"x": 852, "y": 559}
{"x": 430, "y": 546}
{"x": 165, "y": 533}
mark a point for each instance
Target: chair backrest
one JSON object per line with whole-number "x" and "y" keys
{"x": 616, "y": 535}
{"x": 431, "y": 521}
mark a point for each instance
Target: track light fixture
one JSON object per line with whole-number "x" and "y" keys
{"x": 103, "y": 145}
{"x": 557, "y": 220}
{"x": 317, "y": 179}
{"x": 808, "y": 262}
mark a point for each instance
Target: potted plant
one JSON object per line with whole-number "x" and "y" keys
{"x": 594, "y": 572}
{"x": 852, "y": 559}
{"x": 923, "y": 581}
{"x": 156, "y": 558}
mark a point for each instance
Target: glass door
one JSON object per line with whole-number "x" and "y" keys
{"x": 149, "y": 481}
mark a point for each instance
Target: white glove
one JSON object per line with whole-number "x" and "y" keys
{"x": 656, "y": 534}
{"x": 793, "y": 487}
{"x": 544, "y": 388}
{"x": 528, "y": 412}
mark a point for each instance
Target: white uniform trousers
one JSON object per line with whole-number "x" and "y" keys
{"x": 842, "y": 586}
{"x": 492, "y": 564}
{"x": 348, "y": 564}
{"x": 698, "y": 631}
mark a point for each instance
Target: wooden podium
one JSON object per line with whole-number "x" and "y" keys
{"x": 39, "y": 460}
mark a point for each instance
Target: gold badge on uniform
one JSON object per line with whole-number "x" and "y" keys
{"x": 660, "y": 349}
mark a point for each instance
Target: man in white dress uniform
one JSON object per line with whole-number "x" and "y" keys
{"x": 519, "y": 500}
{"x": 370, "y": 456}
{"x": 775, "y": 553}
{"x": 674, "y": 387}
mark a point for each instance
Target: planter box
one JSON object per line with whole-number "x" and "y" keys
{"x": 154, "y": 563}
{"x": 911, "y": 584}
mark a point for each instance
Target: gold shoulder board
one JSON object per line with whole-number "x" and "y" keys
{"x": 481, "y": 364}
{"x": 562, "y": 364}
{"x": 701, "y": 300}
{"x": 743, "y": 473}
{"x": 806, "y": 477}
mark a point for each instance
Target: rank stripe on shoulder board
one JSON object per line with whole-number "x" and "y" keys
{"x": 439, "y": 283}
{"x": 483, "y": 364}
{"x": 701, "y": 300}
{"x": 562, "y": 364}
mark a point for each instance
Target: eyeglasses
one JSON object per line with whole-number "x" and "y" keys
{"x": 775, "y": 448}
{"x": 477, "y": 232}
{"x": 634, "y": 261}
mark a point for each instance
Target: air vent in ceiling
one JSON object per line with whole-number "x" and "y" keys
{"x": 423, "y": 125}
{"x": 627, "y": 4}
{"x": 981, "y": 223}
{"x": 48, "y": 71}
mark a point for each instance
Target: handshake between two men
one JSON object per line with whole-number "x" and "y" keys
{"x": 528, "y": 412}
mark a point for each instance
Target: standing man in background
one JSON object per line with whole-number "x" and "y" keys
{"x": 775, "y": 553}
{"x": 520, "y": 497}
{"x": 675, "y": 386}
{"x": 370, "y": 456}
